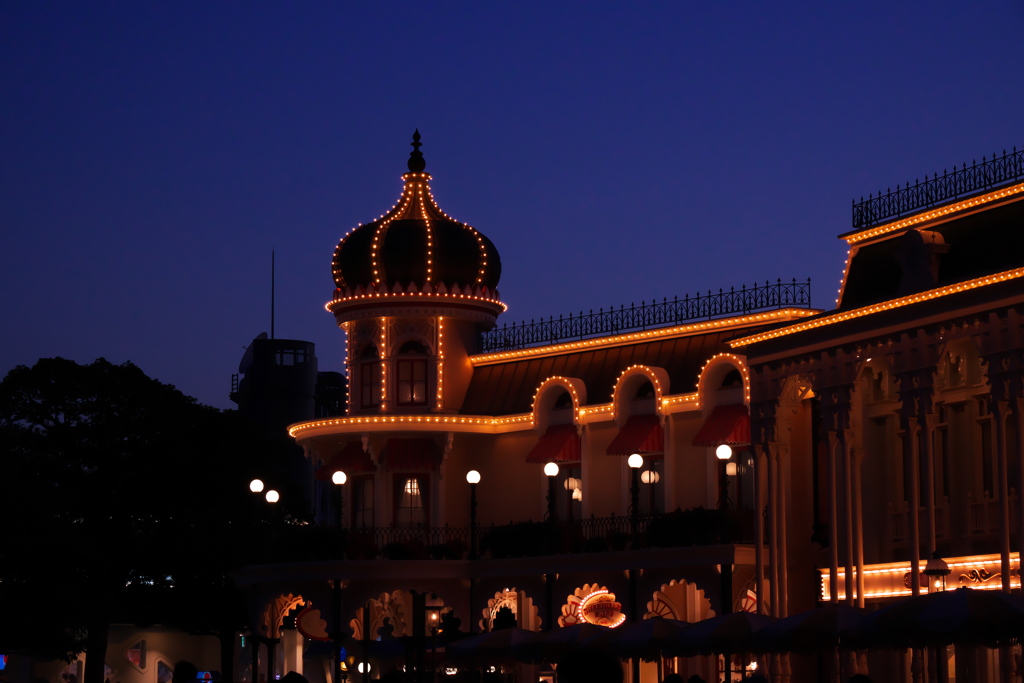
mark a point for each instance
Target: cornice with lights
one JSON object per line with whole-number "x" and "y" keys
{"x": 908, "y": 300}
{"x": 479, "y": 424}
{"x": 924, "y": 217}
{"x": 888, "y": 580}
{"x": 648, "y": 335}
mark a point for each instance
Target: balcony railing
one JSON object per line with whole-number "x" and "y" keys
{"x": 682, "y": 528}
{"x": 648, "y": 315}
{"x": 939, "y": 189}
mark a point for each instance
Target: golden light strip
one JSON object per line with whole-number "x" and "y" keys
{"x": 900, "y": 569}
{"x": 439, "y": 398}
{"x": 679, "y": 330}
{"x": 565, "y": 384}
{"x": 740, "y": 364}
{"x": 397, "y": 295}
{"x": 639, "y": 370}
{"x": 525, "y": 420}
{"x": 935, "y": 213}
{"x": 884, "y": 306}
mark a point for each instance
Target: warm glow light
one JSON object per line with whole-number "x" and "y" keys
{"x": 732, "y": 361}
{"x": 256, "y": 486}
{"x": 473, "y": 477}
{"x": 730, "y": 469}
{"x": 884, "y": 306}
{"x": 629, "y": 338}
{"x": 273, "y": 496}
{"x": 635, "y": 461}
{"x": 867, "y": 234}
{"x": 723, "y": 452}
{"x": 650, "y": 477}
{"x": 551, "y": 469}
{"x": 339, "y": 477}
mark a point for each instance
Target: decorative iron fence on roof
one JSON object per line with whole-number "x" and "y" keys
{"x": 956, "y": 184}
{"x": 648, "y": 315}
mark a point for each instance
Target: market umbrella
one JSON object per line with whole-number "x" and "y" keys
{"x": 816, "y": 630}
{"x": 550, "y": 645}
{"x": 966, "y": 616}
{"x": 725, "y": 634}
{"x": 646, "y": 639}
{"x": 493, "y": 647}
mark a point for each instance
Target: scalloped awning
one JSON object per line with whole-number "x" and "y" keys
{"x": 729, "y": 424}
{"x": 641, "y": 434}
{"x": 560, "y": 443}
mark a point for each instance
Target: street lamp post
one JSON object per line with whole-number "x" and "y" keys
{"x": 473, "y": 478}
{"x": 551, "y": 471}
{"x": 339, "y": 478}
{"x": 635, "y": 462}
{"x": 724, "y": 453}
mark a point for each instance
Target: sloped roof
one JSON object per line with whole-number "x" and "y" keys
{"x": 508, "y": 387}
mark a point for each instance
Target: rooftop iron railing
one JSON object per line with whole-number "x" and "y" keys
{"x": 648, "y": 315}
{"x": 939, "y": 189}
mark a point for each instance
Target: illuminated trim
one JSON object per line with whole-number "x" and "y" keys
{"x": 732, "y": 360}
{"x": 389, "y": 297}
{"x": 651, "y": 373}
{"x": 439, "y": 396}
{"x": 568, "y": 384}
{"x": 621, "y": 339}
{"x": 865, "y": 235}
{"x": 521, "y": 421}
{"x": 509, "y": 423}
{"x": 884, "y": 306}
{"x": 895, "y": 571}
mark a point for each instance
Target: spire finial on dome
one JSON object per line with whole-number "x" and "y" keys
{"x": 416, "y": 162}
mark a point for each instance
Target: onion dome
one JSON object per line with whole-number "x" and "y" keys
{"x": 416, "y": 245}
{"x": 415, "y": 248}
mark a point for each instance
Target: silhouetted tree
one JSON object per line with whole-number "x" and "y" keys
{"x": 123, "y": 500}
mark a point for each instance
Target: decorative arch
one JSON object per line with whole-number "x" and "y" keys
{"x": 714, "y": 371}
{"x": 629, "y": 381}
{"x": 386, "y": 610}
{"x": 512, "y": 599}
{"x": 547, "y": 393}
{"x": 680, "y": 600}
{"x": 274, "y": 613}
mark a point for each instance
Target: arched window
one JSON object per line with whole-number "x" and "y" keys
{"x": 369, "y": 377}
{"x": 411, "y": 369}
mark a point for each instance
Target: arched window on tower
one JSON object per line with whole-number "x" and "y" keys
{"x": 369, "y": 377}
{"x": 411, "y": 370}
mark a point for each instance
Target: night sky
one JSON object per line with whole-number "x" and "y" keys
{"x": 153, "y": 154}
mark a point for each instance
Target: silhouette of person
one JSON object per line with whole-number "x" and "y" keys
{"x": 589, "y": 666}
{"x": 695, "y": 678}
{"x": 673, "y": 678}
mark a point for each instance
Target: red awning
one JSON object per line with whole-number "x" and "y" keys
{"x": 726, "y": 424}
{"x": 560, "y": 443}
{"x": 641, "y": 434}
{"x": 411, "y": 455}
{"x": 351, "y": 459}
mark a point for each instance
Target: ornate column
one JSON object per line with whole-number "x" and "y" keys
{"x": 835, "y": 422}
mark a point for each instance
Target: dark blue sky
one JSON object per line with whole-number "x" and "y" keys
{"x": 153, "y": 153}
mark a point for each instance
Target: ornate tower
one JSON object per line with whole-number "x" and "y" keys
{"x": 414, "y": 288}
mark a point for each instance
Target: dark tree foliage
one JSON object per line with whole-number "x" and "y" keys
{"x": 124, "y": 501}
